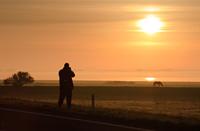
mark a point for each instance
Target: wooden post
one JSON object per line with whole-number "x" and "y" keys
{"x": 93, "y": 101}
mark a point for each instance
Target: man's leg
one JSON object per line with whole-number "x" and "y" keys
{"x": 69, "y": 99}
{"x": 61, "y": 98}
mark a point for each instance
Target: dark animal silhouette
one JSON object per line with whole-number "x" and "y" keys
{"x": 66, "y": 85}
{"x": 158, "y": 84}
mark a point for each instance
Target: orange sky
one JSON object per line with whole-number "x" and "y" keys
{"x": 100, "y": 39}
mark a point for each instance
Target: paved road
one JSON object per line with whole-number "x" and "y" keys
{"x": 19, "y": 120}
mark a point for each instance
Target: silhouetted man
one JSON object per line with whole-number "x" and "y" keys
{"x": 66, "y": 85}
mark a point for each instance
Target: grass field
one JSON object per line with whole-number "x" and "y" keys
{"x": 177, "y": 101}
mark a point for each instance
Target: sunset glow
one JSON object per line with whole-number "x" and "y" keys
{"x": 150, "y": 24}
{"x": 102, "y": 40}
{"x": 82, "y": 58}
{"x": 150, "y": 78}
{"x": 151, "y": 9}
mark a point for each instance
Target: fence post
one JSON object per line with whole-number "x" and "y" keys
{"x": 93, "y": 101}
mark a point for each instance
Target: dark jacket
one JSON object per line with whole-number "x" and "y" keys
{"x": 65, "y": 76}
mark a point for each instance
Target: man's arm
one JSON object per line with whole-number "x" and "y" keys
{"x": 60, "y": 77}
{"x": 72, "y": 74}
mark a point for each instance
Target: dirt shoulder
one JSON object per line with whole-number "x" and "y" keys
{"x": 114, "y": 116}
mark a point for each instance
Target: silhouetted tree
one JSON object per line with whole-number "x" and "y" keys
{"x": 8, "y": 81}
{"x": 19, "y": 79}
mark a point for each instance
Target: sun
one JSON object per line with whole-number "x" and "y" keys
{"x": 150, "y": 24}
{"x": 150, "y": 78}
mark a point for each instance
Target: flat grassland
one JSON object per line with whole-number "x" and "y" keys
{"x": 177, "y": 101}
{"x": 173, "y": 107}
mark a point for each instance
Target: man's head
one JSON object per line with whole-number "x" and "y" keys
{"x": 66, "y": 65}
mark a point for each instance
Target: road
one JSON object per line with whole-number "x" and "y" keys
{"x": 21, "y": 120}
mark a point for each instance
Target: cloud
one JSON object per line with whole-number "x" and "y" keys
{"x": 22, "y": 12}
{"x": 71, "y": 11}
{"x": 169, "y": 70}
{"x": 6, "y": 70}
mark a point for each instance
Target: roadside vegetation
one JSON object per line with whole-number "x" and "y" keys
{"x": 115, "y": 116}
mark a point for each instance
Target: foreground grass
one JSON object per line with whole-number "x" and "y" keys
{"x": 117, "y": 116}
{"x": 173, "y": 102}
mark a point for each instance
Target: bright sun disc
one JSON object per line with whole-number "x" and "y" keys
{"x": 150, "y": 78}
{"x": 150, "y": 24}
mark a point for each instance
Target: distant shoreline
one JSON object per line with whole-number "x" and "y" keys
{"x": 113, "y": 83}
{"x": 188, "y": 81}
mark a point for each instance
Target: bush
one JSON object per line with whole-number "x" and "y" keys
{"x": 19, "y": 79}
